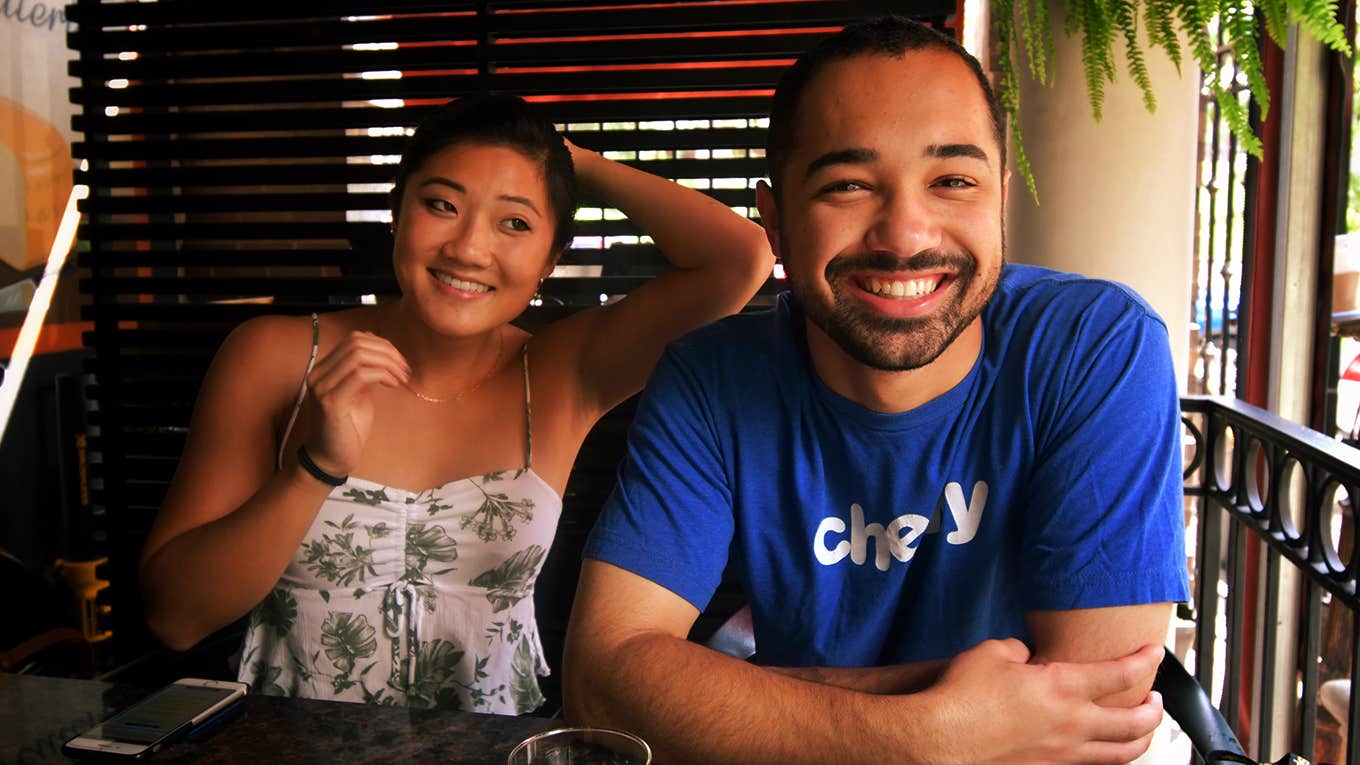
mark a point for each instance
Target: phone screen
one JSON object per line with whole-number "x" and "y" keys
{"x": 159, "y": 714}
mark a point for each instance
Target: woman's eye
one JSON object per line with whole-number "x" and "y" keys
{"x": 440, "y": 205}
{"x": 517, "y": 224}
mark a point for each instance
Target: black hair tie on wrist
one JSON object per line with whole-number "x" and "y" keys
{"x": 305, "y": 460}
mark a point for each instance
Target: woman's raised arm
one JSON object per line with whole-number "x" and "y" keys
{"x": 718, "y": 260}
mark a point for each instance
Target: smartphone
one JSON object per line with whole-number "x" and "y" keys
{"x": 158, "y": 719}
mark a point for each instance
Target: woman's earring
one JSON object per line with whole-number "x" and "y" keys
{"x": 537, "y": 299}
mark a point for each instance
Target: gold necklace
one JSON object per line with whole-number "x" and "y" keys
{"x": 500, "y": 346}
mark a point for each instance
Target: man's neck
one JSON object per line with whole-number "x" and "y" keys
{"x": 892, "y": 392}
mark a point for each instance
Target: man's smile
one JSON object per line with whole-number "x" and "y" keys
{"x": 901, "y": 289}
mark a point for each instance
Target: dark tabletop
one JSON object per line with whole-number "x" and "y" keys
{"x": 37, "y": 714}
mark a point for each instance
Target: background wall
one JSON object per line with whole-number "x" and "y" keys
{"x": 1116, "y": 197}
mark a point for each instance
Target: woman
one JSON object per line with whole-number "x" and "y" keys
{"x": 381, "y": 484}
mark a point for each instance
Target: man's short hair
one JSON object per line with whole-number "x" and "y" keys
{"x": 886, "y": 36}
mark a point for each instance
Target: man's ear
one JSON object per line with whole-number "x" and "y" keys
{"x": 769, "y": 214}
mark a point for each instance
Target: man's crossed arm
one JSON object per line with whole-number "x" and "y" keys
{"x": 1082, "y": 697}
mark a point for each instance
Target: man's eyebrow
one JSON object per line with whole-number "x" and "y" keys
{"x": 950, "y": 150}
{"x": 841, "y": 157}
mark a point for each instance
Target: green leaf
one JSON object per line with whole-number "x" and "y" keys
{"x": 346, "y": 638}
{"x": 425, "y": 544}
{"x": 1125, "y": 17}
{"x": 511, "y": 581}
{"x": 524, "y": 678}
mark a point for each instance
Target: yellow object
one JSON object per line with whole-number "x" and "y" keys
{"x": 80, "y": 577}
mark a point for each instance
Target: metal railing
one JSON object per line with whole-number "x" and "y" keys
{"x": 1223, "y": 231}
{"x": 1255, "y": 478}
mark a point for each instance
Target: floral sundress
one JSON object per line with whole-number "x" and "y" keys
{"x": 413, "y": 598}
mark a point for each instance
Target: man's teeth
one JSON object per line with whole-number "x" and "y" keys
{"x": 912, "y": 288}
{"x": 459, "y": 284}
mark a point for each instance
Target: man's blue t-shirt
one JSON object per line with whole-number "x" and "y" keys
{"x": 1048, "y": 479}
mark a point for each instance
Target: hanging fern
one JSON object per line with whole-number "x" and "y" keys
{"x": 1166, "y": 23}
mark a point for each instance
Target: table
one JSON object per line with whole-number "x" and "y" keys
{"x": 37, "y": 714}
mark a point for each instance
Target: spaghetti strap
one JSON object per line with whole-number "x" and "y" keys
{"x": 528, "y": 412}
{"x": 302, "y": 392}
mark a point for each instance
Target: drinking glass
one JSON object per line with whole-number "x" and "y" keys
{"x": 581, "y": 746}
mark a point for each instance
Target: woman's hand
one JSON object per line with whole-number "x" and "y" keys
{"x": 583, "y": 163}
{"x": 341, "y": 392}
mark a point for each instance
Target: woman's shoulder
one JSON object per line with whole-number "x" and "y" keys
{"x": 275, "y": 336}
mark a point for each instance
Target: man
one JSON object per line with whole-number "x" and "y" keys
{"x": 916, "y": 453}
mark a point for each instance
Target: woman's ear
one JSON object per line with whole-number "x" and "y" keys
{"x": 551, "y": 264}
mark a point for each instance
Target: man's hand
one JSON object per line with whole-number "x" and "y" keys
{"x": 1009, "y": 711}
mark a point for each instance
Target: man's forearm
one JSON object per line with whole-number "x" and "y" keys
{"x": 694, "y": 705}
{"x": 897, "y": 678}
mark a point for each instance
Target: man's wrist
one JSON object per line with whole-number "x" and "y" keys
{"x": 916, "y": 729}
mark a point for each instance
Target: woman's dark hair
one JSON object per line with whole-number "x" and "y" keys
{"x": 497, "y": 120}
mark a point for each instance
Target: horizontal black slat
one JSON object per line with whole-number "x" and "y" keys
{"x": 335, "y": 173}
{"x": 239, "y": 148}
{"x": 224, "y": 203}
{"x": 169, "y": 339}
{"x": 332, "y": 173}
{"x": 657, "y": 48}
{"x": 279, "y": 259}
{"x": 331, "y": 90}
{"x": 150, "y": 466}
{"x": 329, "y": 29}
{"x": 177, "y": 311}
{"x": 150, "y": 413}
{"x": 275, "y": 203}
{"x": 245, "y": 121}
{"x": 326, "y": 147}
{"x": 321, "y": 30}
{"x": 208, "y": 287}
{"x": 140, "y": 443}
{"x": 204, "y": 258}
{"x": 280, "y": 64}
{"x": 291, "y": 288}
{"x": 507, "y": 52}
{"x": 247, "y": 230}
{"x": 195, "y": 312}
{"x": 141, "y": 498}
{"x": 637, "y": 17}
{"x": 97, "y": 14}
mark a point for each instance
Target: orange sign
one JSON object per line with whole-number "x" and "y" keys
{"x": 45, "y": 161}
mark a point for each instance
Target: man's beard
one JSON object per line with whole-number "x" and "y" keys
{"x": 895, "y": 344}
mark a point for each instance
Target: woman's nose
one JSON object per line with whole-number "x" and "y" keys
{"x": 469, "y": 244}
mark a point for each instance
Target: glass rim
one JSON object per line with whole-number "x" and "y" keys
{"x": 537, "y": 737}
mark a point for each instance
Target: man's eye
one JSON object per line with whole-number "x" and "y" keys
{"x": 955, "y": 182}
{"x": 440, "y": 205}
{"x": 843, "y": 187}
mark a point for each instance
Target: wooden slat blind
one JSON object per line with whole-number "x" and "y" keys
{"x": 239, "y": 156}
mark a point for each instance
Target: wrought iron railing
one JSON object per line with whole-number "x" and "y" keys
{"x": 1254, "y": 477}
{"x": 1223, "y": 231}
